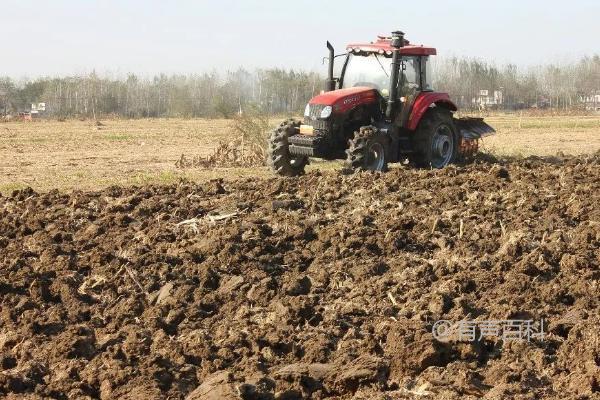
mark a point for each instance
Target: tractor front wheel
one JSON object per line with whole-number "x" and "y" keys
{"x": 436, "y": 140}
{"x": 278, "y": 154}
{"x": 368, "y": 150}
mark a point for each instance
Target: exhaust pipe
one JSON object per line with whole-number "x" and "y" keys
{"x": 330, "y": 80}
{"x": 397, "y": 43}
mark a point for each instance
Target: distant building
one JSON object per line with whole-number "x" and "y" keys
{"x": 488, "y": 99}
{"x": 37, "y": 110}
{"x": 592, "y": 102}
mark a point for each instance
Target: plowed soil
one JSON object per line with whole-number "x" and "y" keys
{"x": 324, "y": 286}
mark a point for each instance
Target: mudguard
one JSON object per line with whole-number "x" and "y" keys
{"x": 422, "y": 103}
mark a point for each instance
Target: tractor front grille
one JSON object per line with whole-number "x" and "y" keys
{"x": 317, "y": 144}
{"x": 322, "y": 127}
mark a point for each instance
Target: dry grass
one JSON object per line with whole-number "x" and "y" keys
{"x": 81, "y": 155}
{"x": 543, "y": 135}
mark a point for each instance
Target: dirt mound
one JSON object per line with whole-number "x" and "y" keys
{"x": 322, "y": 286}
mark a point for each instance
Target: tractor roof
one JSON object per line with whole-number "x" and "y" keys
{"x": 383, "y": 46}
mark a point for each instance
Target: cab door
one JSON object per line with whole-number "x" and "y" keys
{"x": 409, "y": 87}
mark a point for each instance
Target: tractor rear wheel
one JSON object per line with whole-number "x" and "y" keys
{"x": 436, "y": 140}
{"x": 368, "y": 150}
{"x": 278, "y": 154}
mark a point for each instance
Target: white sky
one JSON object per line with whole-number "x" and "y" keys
{"x": 59, "y": 37}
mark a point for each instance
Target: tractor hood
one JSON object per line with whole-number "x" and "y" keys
{"x": 346, "y": 99}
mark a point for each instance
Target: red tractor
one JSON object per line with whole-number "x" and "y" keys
{"x": 381, "y": 109}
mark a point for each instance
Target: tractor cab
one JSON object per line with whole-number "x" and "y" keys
{"x": 371, "y": 64}
{"x": 380, "y": 109}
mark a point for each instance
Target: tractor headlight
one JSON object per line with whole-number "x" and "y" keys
{"x": 326, "y": 112}
{"x": 307, "y": 111}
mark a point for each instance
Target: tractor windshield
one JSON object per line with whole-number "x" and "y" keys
{"x": 371, "y": 71}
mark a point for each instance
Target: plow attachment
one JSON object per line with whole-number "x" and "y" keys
{"x": 473, "y": 128}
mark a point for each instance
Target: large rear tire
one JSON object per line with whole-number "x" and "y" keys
{"x": 368, "y": 150}
{"x": 436, "y": 140}
{"x": 278, "y": 154}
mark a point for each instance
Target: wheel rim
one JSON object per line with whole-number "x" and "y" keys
{"x": 375, "y": 157}
{"x": 442, "y": 147}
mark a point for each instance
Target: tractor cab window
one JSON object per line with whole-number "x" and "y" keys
{"x": 411, "y": 76}
{"x": 426, "y": 73}
{"x": 371, "y": 71}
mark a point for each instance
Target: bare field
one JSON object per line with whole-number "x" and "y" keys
{"x": 543, "y": 135}
{"x": 325, "y": 287}
{"x": 82, "y": 155}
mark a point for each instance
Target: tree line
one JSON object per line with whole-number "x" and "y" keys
{"x": 556, "y": 86}
{"x": 275, "y": 91}
{"x": 280, "y": 91}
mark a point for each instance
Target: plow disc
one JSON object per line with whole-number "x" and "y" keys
{"x": 473, "y": 128}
